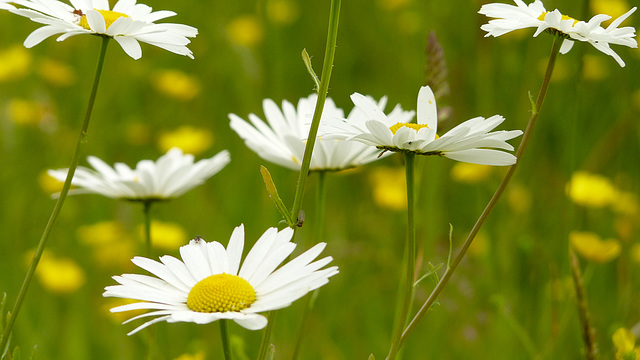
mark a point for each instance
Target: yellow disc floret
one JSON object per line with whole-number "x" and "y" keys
{"x": 564, "y": 17}
{"x": 221, "y": 293}
{"x": 415, "y": 127}
{"x": 109, "y": 18}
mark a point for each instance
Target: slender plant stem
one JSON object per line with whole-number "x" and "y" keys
{"x": 407, "y": 293}
{"x": 82, "y": 139}
{"x": 266, "y": 337}
{"x": 147, "y": 226}
{"x": 224, "y": 334}
{"x": 588, "y": 335}
{"x": 329, "y": 54}
{"x": 492, "y": 203}
{"x": 321, "y": 199}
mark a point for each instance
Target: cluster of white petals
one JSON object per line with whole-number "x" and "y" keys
{"x": 508, "y": 18}
{"x": 472, "y": 141}
{"x": 128, "y": 23}
{"x": 275, "y": 286}
{"x": 171, "y": 176}
{"x": 282, "y": 138}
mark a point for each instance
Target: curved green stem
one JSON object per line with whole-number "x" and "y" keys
{"x": 492, "y": 203}
{"x": 147, "y": 226}
{"x": 224, "y": 334}
{"x": 82, "y": 139}
{"x": 329, "y": 54}
{"x": 407, "y": 295}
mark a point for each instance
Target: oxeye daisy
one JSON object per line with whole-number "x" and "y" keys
{"x": 209, "y": 284}
{"x": 170, "y": 176}
{"x": 534, "y": 15}
{"x": 470, "y": 141}
{"x": 127, "y": 23}
{"x": 282, "y": 138}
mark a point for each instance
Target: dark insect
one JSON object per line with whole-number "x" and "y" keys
{"x": 198, "y": 239}
{"x": 78, "y": 12}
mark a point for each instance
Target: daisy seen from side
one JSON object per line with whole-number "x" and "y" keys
{"x": 209, "y": 284}
{"x": 282, "y": 138}
{"x": 508, "y": 18}
{"x": 472, "y": 141}
{"x": 128, "y": 23}
{"x": 170, "y": 176}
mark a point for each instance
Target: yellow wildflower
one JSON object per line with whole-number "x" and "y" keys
{"x": 389, "y": 187}
{"x": 58, "y": 275}
{"x": 245, "y": 30}
{"x": 111, "y": 243}
{"x": 177, "y": 84}
{"x": 625, "y": 342}
{"x": 590, "y": 190}
{"x": 591, "y": 247}
{"x": 470, "y": 173}
{"x": 25, "y": 112}
{"x": 191, "y": 140}
{"x": 613, "y": 8}
{"x": 167, "y": 236}
{"x": 56, "y": 73}
{"x": 14, "y": 63}
{"x": 626, "y": 203}
{"x": 283, "y": 12}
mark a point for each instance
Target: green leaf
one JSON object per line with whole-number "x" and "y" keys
{"x": 273, "y": 193}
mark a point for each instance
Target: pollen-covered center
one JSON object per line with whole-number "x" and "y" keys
{"x": 221, "y": 293}
{"x": 415, "y": 127}
{"x": 109, "y": 18}
{"x": 564, "y": 17}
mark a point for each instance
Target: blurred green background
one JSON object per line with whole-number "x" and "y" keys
{"x": 512, "y": 297}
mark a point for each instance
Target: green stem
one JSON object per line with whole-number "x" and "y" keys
{"x": 492, "y": 203}
{"x": 224, "y": 334}
{"x": 147, "y": 226}
{"x": 407, "y": 294}
{"x": 82, "y": 139}
{"x": 266, "y": 336}
{"x": 321, "y": 199}
{"x": 329, "y": 54}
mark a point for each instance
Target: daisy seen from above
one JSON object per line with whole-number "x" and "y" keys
{"x": 128, "y": 23}
{"x": 209, "y": 284}
{"x": 470, "y": 141}
{"x": 282, "y": 138}
{"x": 170, "y": 176}
{"x": 508, "y": 18}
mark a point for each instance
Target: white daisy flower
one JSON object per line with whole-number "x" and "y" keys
{"x": 509, "y": 18}
{"x": 171, "y": 176}
{"x": 282, "y": 139}
{"x": 466, "y": 142}
{"x": 209, "y": 284}
{"x": 127, "y": 23}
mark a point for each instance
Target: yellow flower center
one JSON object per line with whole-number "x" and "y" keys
{"x": 564, "y": 17}
{"x": 221, "y": 293}
{"x": 109, "y": 18}
{"x": 415, "y": 127}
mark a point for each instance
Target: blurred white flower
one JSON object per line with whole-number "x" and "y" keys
{"x": 509, "y": 18}
{"x": 466, "y": 142}
{"x": 209, "y": 284}
{"x": 282, "y": 139}
{"x": 171, "y": 176}
{"x": 127, "y": 23}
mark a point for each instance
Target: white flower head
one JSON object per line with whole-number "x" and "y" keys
{"x": 470, "y": 141}
{"x": 209, "y": 284}
{"x": 508, "y": 18}
{"x": 127, "y": 23}
{"x": 171, "y": 176}
{"x": 282, "y": 138}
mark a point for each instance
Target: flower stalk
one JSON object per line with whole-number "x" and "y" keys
{"x": 147, "y": 226}
{"x": 323, "y": 89}
{"x": 82, "y": 139}
{"x": 492, "y": 203}
{"x": 224, "y": 334}
{"x": 407, "y": 293}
